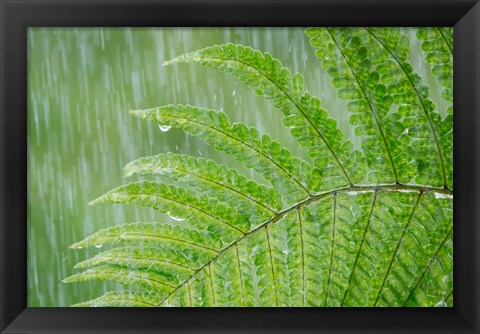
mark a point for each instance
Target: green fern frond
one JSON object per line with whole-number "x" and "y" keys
{"x": 336, "y": 234}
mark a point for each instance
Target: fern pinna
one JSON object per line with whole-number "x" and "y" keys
{"x": 351, "y": 227}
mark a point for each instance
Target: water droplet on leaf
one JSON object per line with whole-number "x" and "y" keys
{"x": 178, "y": 219}
{"x": 164, "y": 128}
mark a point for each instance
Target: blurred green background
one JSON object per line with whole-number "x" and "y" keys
{"x": 81, "y": 84}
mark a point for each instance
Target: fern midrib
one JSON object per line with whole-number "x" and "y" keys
{"x": 153, "y": 259}
{"x": 211, "y": 282}
{"x": 240, "y": 274}
{"x": 360, "y": 247}
{"x": 374, "y": 114}
{"x": 313, "y": 198}
{"x": 120, "y": 299}
{"x": 271, "y": 264}
{"x": 140, "y": 301}
{"x": 332, "y": 245}
{"x": 412, "y": 291}
{"x": 156, "y": 236}
{"x": 448, "y": 296}
{"x": 303, "y": 255}
{"x": 248, "y": 145}
{"x": 432, "y": 128}
{"x": 139, "y": 277}
{"x": 445, "y": 39}
{"x": 225, "y": 186}
{"x": 189, "y": 293}
{"x": 190, "y": 206}
{"x": 296, "y": 106}
{"x": 420, "y": 195}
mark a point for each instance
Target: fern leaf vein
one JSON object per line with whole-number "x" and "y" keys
{"x": 332, "y": 247}
{"x": 442, "y": 247}
{"x": 218, "y": 180}
{"x": 422, "y": 99}
{"x": 373, "y": 112}
{"x": 240, "y": 274}
{"x": 360, "y": 248}
{"x": 303, "y": 255}
{"x": 151, "y": 194}
{"x": 271, "y": 265}
{"x": 398, "y": 246}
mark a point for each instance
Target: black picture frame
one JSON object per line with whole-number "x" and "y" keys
{"x": 17, "y": 15}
